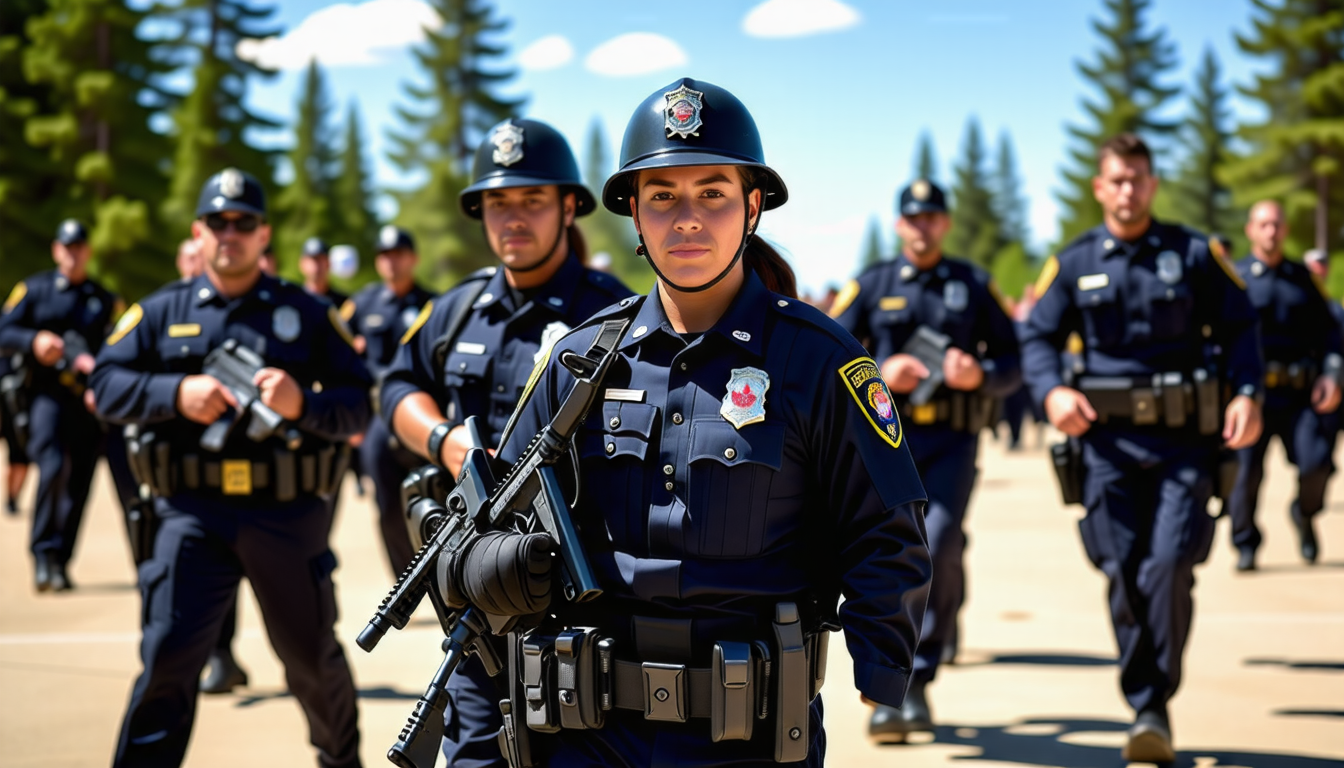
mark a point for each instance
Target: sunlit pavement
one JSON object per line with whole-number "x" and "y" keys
{"x": 1035, "y": 683}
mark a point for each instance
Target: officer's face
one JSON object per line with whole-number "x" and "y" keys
{"x": 1125, "y": 187}
{"x": 71, "y": 259}
{"x": 396, "y": 266}
{"x": 1266, "y": 229}
{"x": 692, "y": 218}
{"x": 522, "y": 222}
{"x": 922, "y": 234}
{"x": 315, "y": 268}
{"x": 225, "y": 248}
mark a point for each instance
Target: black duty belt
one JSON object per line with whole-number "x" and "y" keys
{"x": 1174, "y": 400}
{"x": 960, "y": 411}
{"x": 1296, "y": 375}
{"x": 283, "y": 476}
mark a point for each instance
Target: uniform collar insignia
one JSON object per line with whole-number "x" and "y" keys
{"x": 745, "y": 402}
{"x": 682, "y": 112}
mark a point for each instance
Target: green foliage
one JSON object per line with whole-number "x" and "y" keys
{"x": 872, "y": 245}
{"x": 454, "y": 111}
{"x": 355, "y": 222}
{"x": 1126, "y": 75}
{"x": 1296, "y": 152}
{"x": 604, "y": 231}
{"x": 305, "y": 207}
{"x": 926, "y": 160}
{"x": 1014, "y": 269}
{"x": 975, "y": 231}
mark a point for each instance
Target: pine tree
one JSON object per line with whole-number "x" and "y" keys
{"x": 1297, "y": 152}
{"x": 975, "y": 233}
{"x": 105, "y": 87}
{"x": 872, "y": 245}
{"x": 211, "y": 124}
{"x": 605, "y": 231}
{"x": 305, "y": 207}
{"x": 1010, "y": 205}
{"x": 455, "y": 111}
{"x": 926, "y": 159}
{"x": 1126, "y": 74}
{"x": 356, "y": 224}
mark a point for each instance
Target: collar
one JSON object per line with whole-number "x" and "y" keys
{"x": 555, "y": 294}
{"x": 203, "y": 292}
{"x": 1114, "y": 246}
{"x": 743, "y": 323}
{"x": 907, "y": 271}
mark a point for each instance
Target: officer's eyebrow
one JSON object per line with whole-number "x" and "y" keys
{"x": 717, "y": 178}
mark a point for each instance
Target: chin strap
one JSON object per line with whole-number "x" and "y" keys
{"x": 747, "y": 231}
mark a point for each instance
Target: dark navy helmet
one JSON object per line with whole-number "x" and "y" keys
{"x": 231, "y": 190}
{"x": 315, "y": 246}
{"x": 71, "y": 231}
{"x": 690, "y": 122}
{"x": 390, "y": 238}
{"x": 922, "y": 196}
{"x": 524, "y": 153}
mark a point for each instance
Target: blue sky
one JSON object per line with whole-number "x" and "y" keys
{"x": 840, "y": 90}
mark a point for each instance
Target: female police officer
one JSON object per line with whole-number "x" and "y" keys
{"x": 743, "y": 468}
{"x": 470, "y": 351}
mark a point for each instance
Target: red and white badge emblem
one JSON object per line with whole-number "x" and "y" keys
{"x": 745, "y": 402}
{"x": 683, "y": 112}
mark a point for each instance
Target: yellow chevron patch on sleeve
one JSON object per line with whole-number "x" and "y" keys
{"x": 348, "y": 310}
{"x": 419, "y": 322}
{"x": 1047, "y": 277}
{"x": 843, "y": 299}
{"x": 1221, "y": 261}
{"x": 338, "y": 323}
{"x": 126, "y": 324}
{"x": 16, "y": 296}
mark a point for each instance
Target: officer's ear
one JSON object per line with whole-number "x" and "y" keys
{"x": 568, "y": 207}
{"x": 754, "y": 207}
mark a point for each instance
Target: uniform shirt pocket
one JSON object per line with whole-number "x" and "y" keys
{"x": 729, "y": 495}
{"x": 612, "y": 453}
{"x": 183, "y": 349}
{"x": 467, "y": 367}
{"x": 1103, "y": 315}
{"x": 1170, "y": 309}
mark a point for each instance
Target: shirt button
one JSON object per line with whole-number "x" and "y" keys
{"x": 499, "y": 388}
{"x": 461, "y": 366}
{"x": 676, "y": 418}
{"x": 615, "y": 422}
{"x": 668, "y": 469}
{"x": 730, "y": 454}
{"x": 611, "y": 448}
{"x": 683, "y": 366}
{"x": 668, "y": 485}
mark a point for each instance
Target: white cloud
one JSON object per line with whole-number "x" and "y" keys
{"x": 635, "y": 53}
{"x": 796, "y": 18}
{"x": 345, "y": 35}
{"x": 546, "y": 53}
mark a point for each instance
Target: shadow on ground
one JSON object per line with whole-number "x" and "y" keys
{"x": 1316, "y": 666}
{"x": 1047, "y": 742}
{"x": 381, "y": 693}
{"x": 1043, "y": 659}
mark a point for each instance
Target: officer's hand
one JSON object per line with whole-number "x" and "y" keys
{"x": 359, "y": 344}
{"x": 280, "y": 392}
{"x": 1325, "y": 395}
{"x": 48, "y": 347}
{"x": 962, "y": 371}
{"x": 356, "y": 440}
{"x": 90, "y": 403}
{"x": 903, "y": 373}
{"x": 454, "y": 449}
{"x": 203, "y": 399}
{"x": 1069, "y": 410}
{"x": 1241, "y": 423}
{"x": 84, "y": 363}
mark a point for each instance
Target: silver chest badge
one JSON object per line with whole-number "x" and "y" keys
{"x": 1169, "y": 268}
{"x": 745, "y": 402}
{"x": 286, "y": 324}
{"x": 552, "y": 333}
{"x": 956, "y": 296}
{"x": 508, "y": 142}
{"x": 682, "y": 113}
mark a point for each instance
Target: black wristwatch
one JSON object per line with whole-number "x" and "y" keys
{"x": 434, "y": 446}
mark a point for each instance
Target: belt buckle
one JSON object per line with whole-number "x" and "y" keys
{"x": 664, "y": 692}
{"x": 924, "y": 414}
{"x": 235, "y": 477}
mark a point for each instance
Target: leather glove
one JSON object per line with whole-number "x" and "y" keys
{"x": 505, "y": 574}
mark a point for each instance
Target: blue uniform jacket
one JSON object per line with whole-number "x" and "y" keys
{"x": 814, "y": 494}
{"x": 48, "y": 301}
{"x": 1297, "y": 321}
{"x": 1162, "y": 303}
{"x": 498, "y": 344}
{"x": 166, "y": 337}
{"x": 382, "y": 318}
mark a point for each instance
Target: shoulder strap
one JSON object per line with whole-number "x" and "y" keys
{"x": 455, "y": 323}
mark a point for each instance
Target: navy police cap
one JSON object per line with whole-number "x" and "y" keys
{"x": 922, "y": 196}
{"x": 314, "y": 246}
{"x": 70, "y": 232}
{"x": 524, "y": 153}
{"x": 231, "y": 190}
{"x": 391, "y": 238}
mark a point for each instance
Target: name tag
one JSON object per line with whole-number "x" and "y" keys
{"x": 184, "y": 330}
{"x": 1093, "y": 282}
{"x": 891, "y": 302}
{"x": 625, "y": 395}
{"x": 469, "y": 348}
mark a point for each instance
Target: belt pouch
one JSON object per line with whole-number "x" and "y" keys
{"x": 1144, "y": 406}
{"x": 791, "y": 686}
{"x": 191, "y": 471}
{"x": 538, "y": 657}
{"x": 817, "y": 647}
{"x": 137, "y": 455}
{"x": 324, "y": 457}
{"x": 286, "y": 476}
{"x": 575, "y": 676}
{"x": 308, "y": 472}
{"x": 261, "y": 475}
{"x": 514, "y": 740}
{"x": 163, "y": 468}
{"x": 1274, "y": 375}
{"x": 957, "y": 416}
{"x": 1297, "y": 376}
{"x": 733, "y": 694}
{"x": 1206, "y": 402}
{"x": 1173, "y": 400}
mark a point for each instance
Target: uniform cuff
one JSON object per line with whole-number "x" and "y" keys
{"x": 161, "y": 396}
{"x": 881, "y": 683}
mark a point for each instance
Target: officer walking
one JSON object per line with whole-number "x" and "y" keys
{"x": 57, "y": 320}
{"x": 379, "y": 315}
{"x": 1301, "y": 341}
{"x": 1166, "y": 327}
{"x": 238, "y": 472}
{"x": 315, "y": 264}
{"x": 472, "y": 349}
{"x": 968, "y": 362}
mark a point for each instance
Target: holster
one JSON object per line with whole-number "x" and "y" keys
{"x": 1067, "y": 457}
{"x": 142, "y": 525}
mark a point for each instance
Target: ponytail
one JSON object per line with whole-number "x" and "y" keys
{"x": 770, "y": 266}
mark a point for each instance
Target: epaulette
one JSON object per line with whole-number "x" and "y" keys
{"x": 484, "y": 273}
{"x": 799, "y": 311}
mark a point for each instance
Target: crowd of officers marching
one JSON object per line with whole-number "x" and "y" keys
{"x": 1167, "y": 363}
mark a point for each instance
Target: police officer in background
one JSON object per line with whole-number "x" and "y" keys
{"x": 16, "y": 446}
{"x": 315, "y": 264}
{"x": 889, "y": 308}
{"x": 1167, "y": 329}
{"x": 189, "y": 264}
{"x": 379, "y": 315}
{"x": 472, "y": 349}
{"x": 254, "y": 507}
{"x": 57, "y": 320}
{"x": 1301, "y": 341}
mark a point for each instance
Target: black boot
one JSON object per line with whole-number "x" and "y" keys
{"x": 41, "y": 571}
{"x": 57, "y": 578}
{"x": 225, "y": 674}
{"x": 889, "y": 725}
{"x": 1246, "y": 559}
{"x": 1306, "y": 534}
{"x": 1149, "y": 739}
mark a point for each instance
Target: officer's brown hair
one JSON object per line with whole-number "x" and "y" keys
{"x": 1126, "y": 146}
{"x": 762, "y": 257}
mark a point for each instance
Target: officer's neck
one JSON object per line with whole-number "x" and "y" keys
{"x": 401, "y": 287}
{"x": 1271, "y": 260}
{"x": 231, "y": 287}
{"x": 317, "y": 287}
{"x": 698, "y": 312}
{"x": 1129, "y": 232}
{"x": 540, "y": 275}
{"x": 926, "y": 262}
{"x": 76, "y": 275}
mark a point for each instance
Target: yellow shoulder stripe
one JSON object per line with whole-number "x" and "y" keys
{"x": 1047, "y": 277}
{"x": 339, "y": 324}
{"x": 16, "y": 295}
{"x": 419, "y": 321}
{"x": 998, "y": 296}
{"x": 843, "y": 299}
{"x": 126, "y": 324}
{"x": 348, "y": 310}
{"x": 1227, "y": 268}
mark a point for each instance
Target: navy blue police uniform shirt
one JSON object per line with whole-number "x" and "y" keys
{"x": 1297, "y": 321}
{"x": 48, "y": 301}
{"x": 686, "y": 516}
{"x": 382, "y": 318}
{"x": 167, "y": 336}
{"x": 1162, "y": 303}
{"x": 498, "y": 345}
{"x": 888, "y": 302}
{"x": 335, "y": 297}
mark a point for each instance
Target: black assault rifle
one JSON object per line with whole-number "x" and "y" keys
{"x": 234, "y": 365}
{"x": 528, "y": 499}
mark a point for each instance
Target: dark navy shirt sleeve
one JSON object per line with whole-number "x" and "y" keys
{"x": 1048, "y": 326}
{"x": 16, "y": 322}
{"x": 1233, "y": 320}
{"x": 341, "y": 408}
{"x": 127, "y": 382}
{"x": 850, "y": 308}
{"x": 412, "y": 369}
{"x": 1001, "y": 360}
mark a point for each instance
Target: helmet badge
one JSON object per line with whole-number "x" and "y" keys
{"x": 920, "y": 190}
{"x": 508, "y": 142}
{"x": 682, "y": 114}
{"x": 231, "y": 183}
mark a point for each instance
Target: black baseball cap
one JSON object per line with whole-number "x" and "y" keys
{"x": 71, "y": 231}
{"x": 231, "y": 190}
{"x": 922, "y": 196}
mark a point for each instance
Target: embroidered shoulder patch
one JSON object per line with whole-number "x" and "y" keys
{"x": 1048, "y": 274}
{"x": 126, "y": 324}
{"x": 338, "y": 323}
{"x": 348, "y": 310}
{"x": 843, "y": 299}
{"x": 864, "y": 381}
{"x": 16, "y": 295}
{"x": 419, "y": 323}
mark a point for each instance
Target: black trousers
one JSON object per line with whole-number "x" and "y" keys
{"x": 65, "y": 442}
